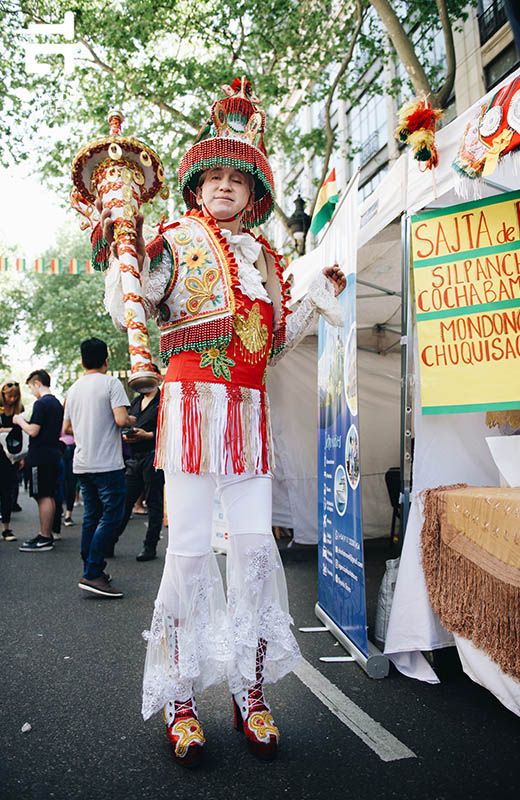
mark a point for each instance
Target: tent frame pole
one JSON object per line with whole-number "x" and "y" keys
{"x": 406, "y": 377}
{"x": 376, "y": 286}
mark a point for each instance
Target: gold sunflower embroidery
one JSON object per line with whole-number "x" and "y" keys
{"x": 219, "y": 362}
{"x": 196, "y": 257}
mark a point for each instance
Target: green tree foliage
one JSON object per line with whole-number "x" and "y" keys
{"x": 162, "y": 60}
{"x": 57, "y": 312}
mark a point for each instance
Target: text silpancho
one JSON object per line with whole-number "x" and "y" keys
{"x": 466, "y": 261}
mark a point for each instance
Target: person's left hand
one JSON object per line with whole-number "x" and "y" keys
{"x": 17, "y": 418}
{"x": 337, "y": 277}
{"x": 137, "y": 436}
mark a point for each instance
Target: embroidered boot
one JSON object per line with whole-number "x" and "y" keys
{"x": 252, "y": 715}
{"x": 184, "y": 732}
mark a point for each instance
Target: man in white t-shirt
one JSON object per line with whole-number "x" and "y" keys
{"x": 96, "y": 409}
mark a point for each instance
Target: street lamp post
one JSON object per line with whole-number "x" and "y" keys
{"x": 299, "y": 224}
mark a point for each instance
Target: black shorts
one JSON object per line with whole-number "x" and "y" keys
{"x": 43, "y": 480}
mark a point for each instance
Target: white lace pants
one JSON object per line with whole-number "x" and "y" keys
{"x": 197, "y": 639}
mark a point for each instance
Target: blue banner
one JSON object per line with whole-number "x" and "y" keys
{"x": 341, "y": 583}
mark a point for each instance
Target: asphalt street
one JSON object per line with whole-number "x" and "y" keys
{"x": 72, "y": 666}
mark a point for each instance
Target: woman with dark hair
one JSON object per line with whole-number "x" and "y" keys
{"x": 10, "y": 404}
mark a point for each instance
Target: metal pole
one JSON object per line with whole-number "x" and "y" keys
{"x": 379, "y": 288}
{"x": 376, "y": 665}
{"x": 406, "y": 375}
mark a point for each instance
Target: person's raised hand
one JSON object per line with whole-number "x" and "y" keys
{"x": 107, "y": 226}
{"x": 337, "y": 277}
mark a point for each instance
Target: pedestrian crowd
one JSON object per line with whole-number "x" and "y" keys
{"x": 98, "y": 444}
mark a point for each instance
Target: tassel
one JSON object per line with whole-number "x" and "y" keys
{"x": 212, "y": 427}
{"x": 197, "y": 337}
{"x": 263, "y": 435}
{"x": 155, "y": 250}
{"x": 100, "y": 250}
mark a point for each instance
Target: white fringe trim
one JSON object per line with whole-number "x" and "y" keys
{"x": 204, "y": 430}
{"x": 471, "y": 188}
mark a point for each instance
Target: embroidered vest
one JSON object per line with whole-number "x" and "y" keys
{"x": 203, "y": 297}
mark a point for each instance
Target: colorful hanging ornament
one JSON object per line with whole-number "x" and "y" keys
{"x": 492, "y": 133}
{"x": 417, "y": 123}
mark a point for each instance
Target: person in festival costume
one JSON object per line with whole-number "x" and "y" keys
{"x": 221, "y": 305}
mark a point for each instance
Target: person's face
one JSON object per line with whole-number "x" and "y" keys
{"x": 225, "y": 192}
{"x": 34, "y": 387}
{"x": 11, "y": 395}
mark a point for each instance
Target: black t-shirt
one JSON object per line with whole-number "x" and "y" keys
{"x": 146, "y": 420}
{"x": 48, "y": 414}
{"x": 6, "y": 420}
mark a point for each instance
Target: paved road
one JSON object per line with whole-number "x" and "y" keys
{"x": 72, "y": 665}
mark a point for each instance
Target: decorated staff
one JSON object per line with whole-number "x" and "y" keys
{"x": 123, "y": 173}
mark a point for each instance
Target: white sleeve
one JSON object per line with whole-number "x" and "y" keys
{"x": 153, "y": 284}
{"x": 319, "y": 299}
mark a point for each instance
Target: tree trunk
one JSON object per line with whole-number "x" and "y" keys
{"x": 440, "y": 98}
{"x": 406, "y": 52}
{"x": 403, "y": 46}
{"x": 330, "y": 97}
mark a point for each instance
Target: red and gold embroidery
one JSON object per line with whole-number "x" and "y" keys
{"x": 252, "y": 333}
{"x": 202, "y": 290}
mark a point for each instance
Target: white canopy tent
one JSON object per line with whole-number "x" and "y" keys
{"x": 448, "y": 448}
{"x": 293, "y": 394}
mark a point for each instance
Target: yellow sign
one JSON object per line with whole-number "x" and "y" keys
{"x": 466, "y": 262}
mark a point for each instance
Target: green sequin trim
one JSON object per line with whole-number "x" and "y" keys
{"x": 197, "y": 347}
{"x": 155, "y": 262}
{"x": 276, "y": 350}
{"x": 100, "y": 266}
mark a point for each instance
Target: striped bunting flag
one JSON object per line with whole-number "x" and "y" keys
{"x": 53, "y": 266}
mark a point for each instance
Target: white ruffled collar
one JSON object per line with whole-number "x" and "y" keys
{"x": 243, "y": 245}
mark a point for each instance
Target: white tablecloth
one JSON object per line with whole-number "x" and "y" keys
{"x": 449, "y": 449}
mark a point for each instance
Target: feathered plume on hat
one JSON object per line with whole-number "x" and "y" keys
{"x": 232, "y": 137}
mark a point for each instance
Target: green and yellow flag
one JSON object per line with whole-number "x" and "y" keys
{"x": 327, "y": 199}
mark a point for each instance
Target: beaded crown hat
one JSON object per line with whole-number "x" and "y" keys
{"x": 232, "y": 137}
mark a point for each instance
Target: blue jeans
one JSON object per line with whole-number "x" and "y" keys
{"x": 104, "y": 506}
